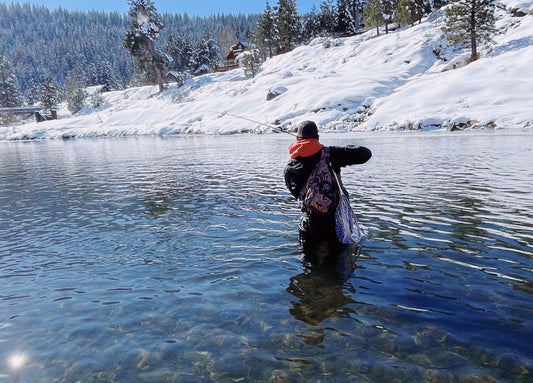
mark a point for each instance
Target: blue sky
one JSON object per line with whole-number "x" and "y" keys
{"x": 192, "y": 7}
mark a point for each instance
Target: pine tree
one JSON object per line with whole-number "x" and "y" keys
{"x": 373, "y": 14}
{"x": 436, "y": 4}
{"x": 470, "y": 21}
{"x": 32, "y": 91}
{"x": 310, "y": 24}
{"x": 327, "y": 17}
{"x": 403, "y": 12}
{"x": 251, "y": 61}
{"x": 180, "y": 50}
{"x": 9, "y": 93}
{"x": 420, "y": 8}
{"x": 205, "y": 56}
{"x": 409, "y": 11}
{"x": 288, "y": 21}
{"x": 388, "y": 9}
{"x": 96, "y": 100}
{"x": 75, "y": 94}
{"x": 50, "y": 94}
{"x": 349, "y": 16}
{"x": 266, "y": 34}
{"x": 101, "y": 73}
{"x": 140, "y": 40}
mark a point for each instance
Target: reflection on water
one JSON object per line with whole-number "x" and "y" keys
{"x": 320, "y": 288}
{"x": 155, "y": 260}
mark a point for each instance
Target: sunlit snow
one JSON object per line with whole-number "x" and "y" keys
{"x": 407, "y": 79}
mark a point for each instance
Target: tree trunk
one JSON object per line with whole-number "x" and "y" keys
{"x": 473, "y": 54}
{"x": 473, "y": 28}
{"x": 158, "y": 75}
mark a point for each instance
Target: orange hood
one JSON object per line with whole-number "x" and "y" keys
{"x": 304, "y": 147}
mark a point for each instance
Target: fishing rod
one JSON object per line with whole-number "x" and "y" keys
{"x": 276, "y": 128}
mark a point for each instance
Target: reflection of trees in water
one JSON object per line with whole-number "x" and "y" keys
{"x": 319, "y": 288}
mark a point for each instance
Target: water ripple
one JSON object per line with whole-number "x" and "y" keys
{"x": 163, "y": 259}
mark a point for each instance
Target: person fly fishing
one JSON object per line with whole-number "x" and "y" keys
{"x": 309, "y": 179}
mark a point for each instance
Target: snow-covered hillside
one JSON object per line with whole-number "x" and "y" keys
{"x": 408, "y": 79}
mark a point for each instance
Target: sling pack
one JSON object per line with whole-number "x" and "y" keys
{"x": 346, "y": 225}
{"x": 320, "y": 194}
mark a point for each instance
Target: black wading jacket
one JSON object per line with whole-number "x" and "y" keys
{"x": 297, "y": 172}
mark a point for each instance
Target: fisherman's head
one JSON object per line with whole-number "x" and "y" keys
{"x": 307, "y": 130}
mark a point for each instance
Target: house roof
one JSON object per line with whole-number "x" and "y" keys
{"x": 246, "y": 45}
{"x": 238, "y": 48}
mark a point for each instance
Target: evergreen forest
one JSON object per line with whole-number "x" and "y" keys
{"x": 67, "y": 51}
{"x": 40, "y": 43}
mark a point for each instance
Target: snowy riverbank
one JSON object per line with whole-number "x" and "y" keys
{"x": 408, "y": 79}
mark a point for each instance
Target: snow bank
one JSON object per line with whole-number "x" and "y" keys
{"x": 408, "y": 79}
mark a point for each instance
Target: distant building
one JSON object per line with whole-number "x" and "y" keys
{"x": 231, "y": 61}
{"x": 105, "y": 89}
{"x": 176, "y": 76}
{"x": 46, "y": 117}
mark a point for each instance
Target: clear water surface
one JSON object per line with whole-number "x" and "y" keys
{"x": 177, "y": 260}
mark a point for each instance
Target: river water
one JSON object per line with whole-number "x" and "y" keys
{"x": 177, "y": 260}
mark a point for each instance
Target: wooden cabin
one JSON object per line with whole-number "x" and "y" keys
{"x": 176, "y": 76}
{"x": 231, "y": 61}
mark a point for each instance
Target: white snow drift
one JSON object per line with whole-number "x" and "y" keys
{"x": 407, "y": 79}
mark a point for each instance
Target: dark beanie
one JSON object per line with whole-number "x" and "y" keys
{"x": 307, "y": 129}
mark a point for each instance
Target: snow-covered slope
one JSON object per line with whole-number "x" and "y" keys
{"x": 407, "y": 79}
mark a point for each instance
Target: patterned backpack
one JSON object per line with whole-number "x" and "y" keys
{"x": 320, "y": 194}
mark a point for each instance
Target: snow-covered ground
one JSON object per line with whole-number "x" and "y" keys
{"x": 407, "y": 79}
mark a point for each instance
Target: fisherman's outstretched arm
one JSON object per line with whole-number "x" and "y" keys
{"x": 349, "y": 155}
